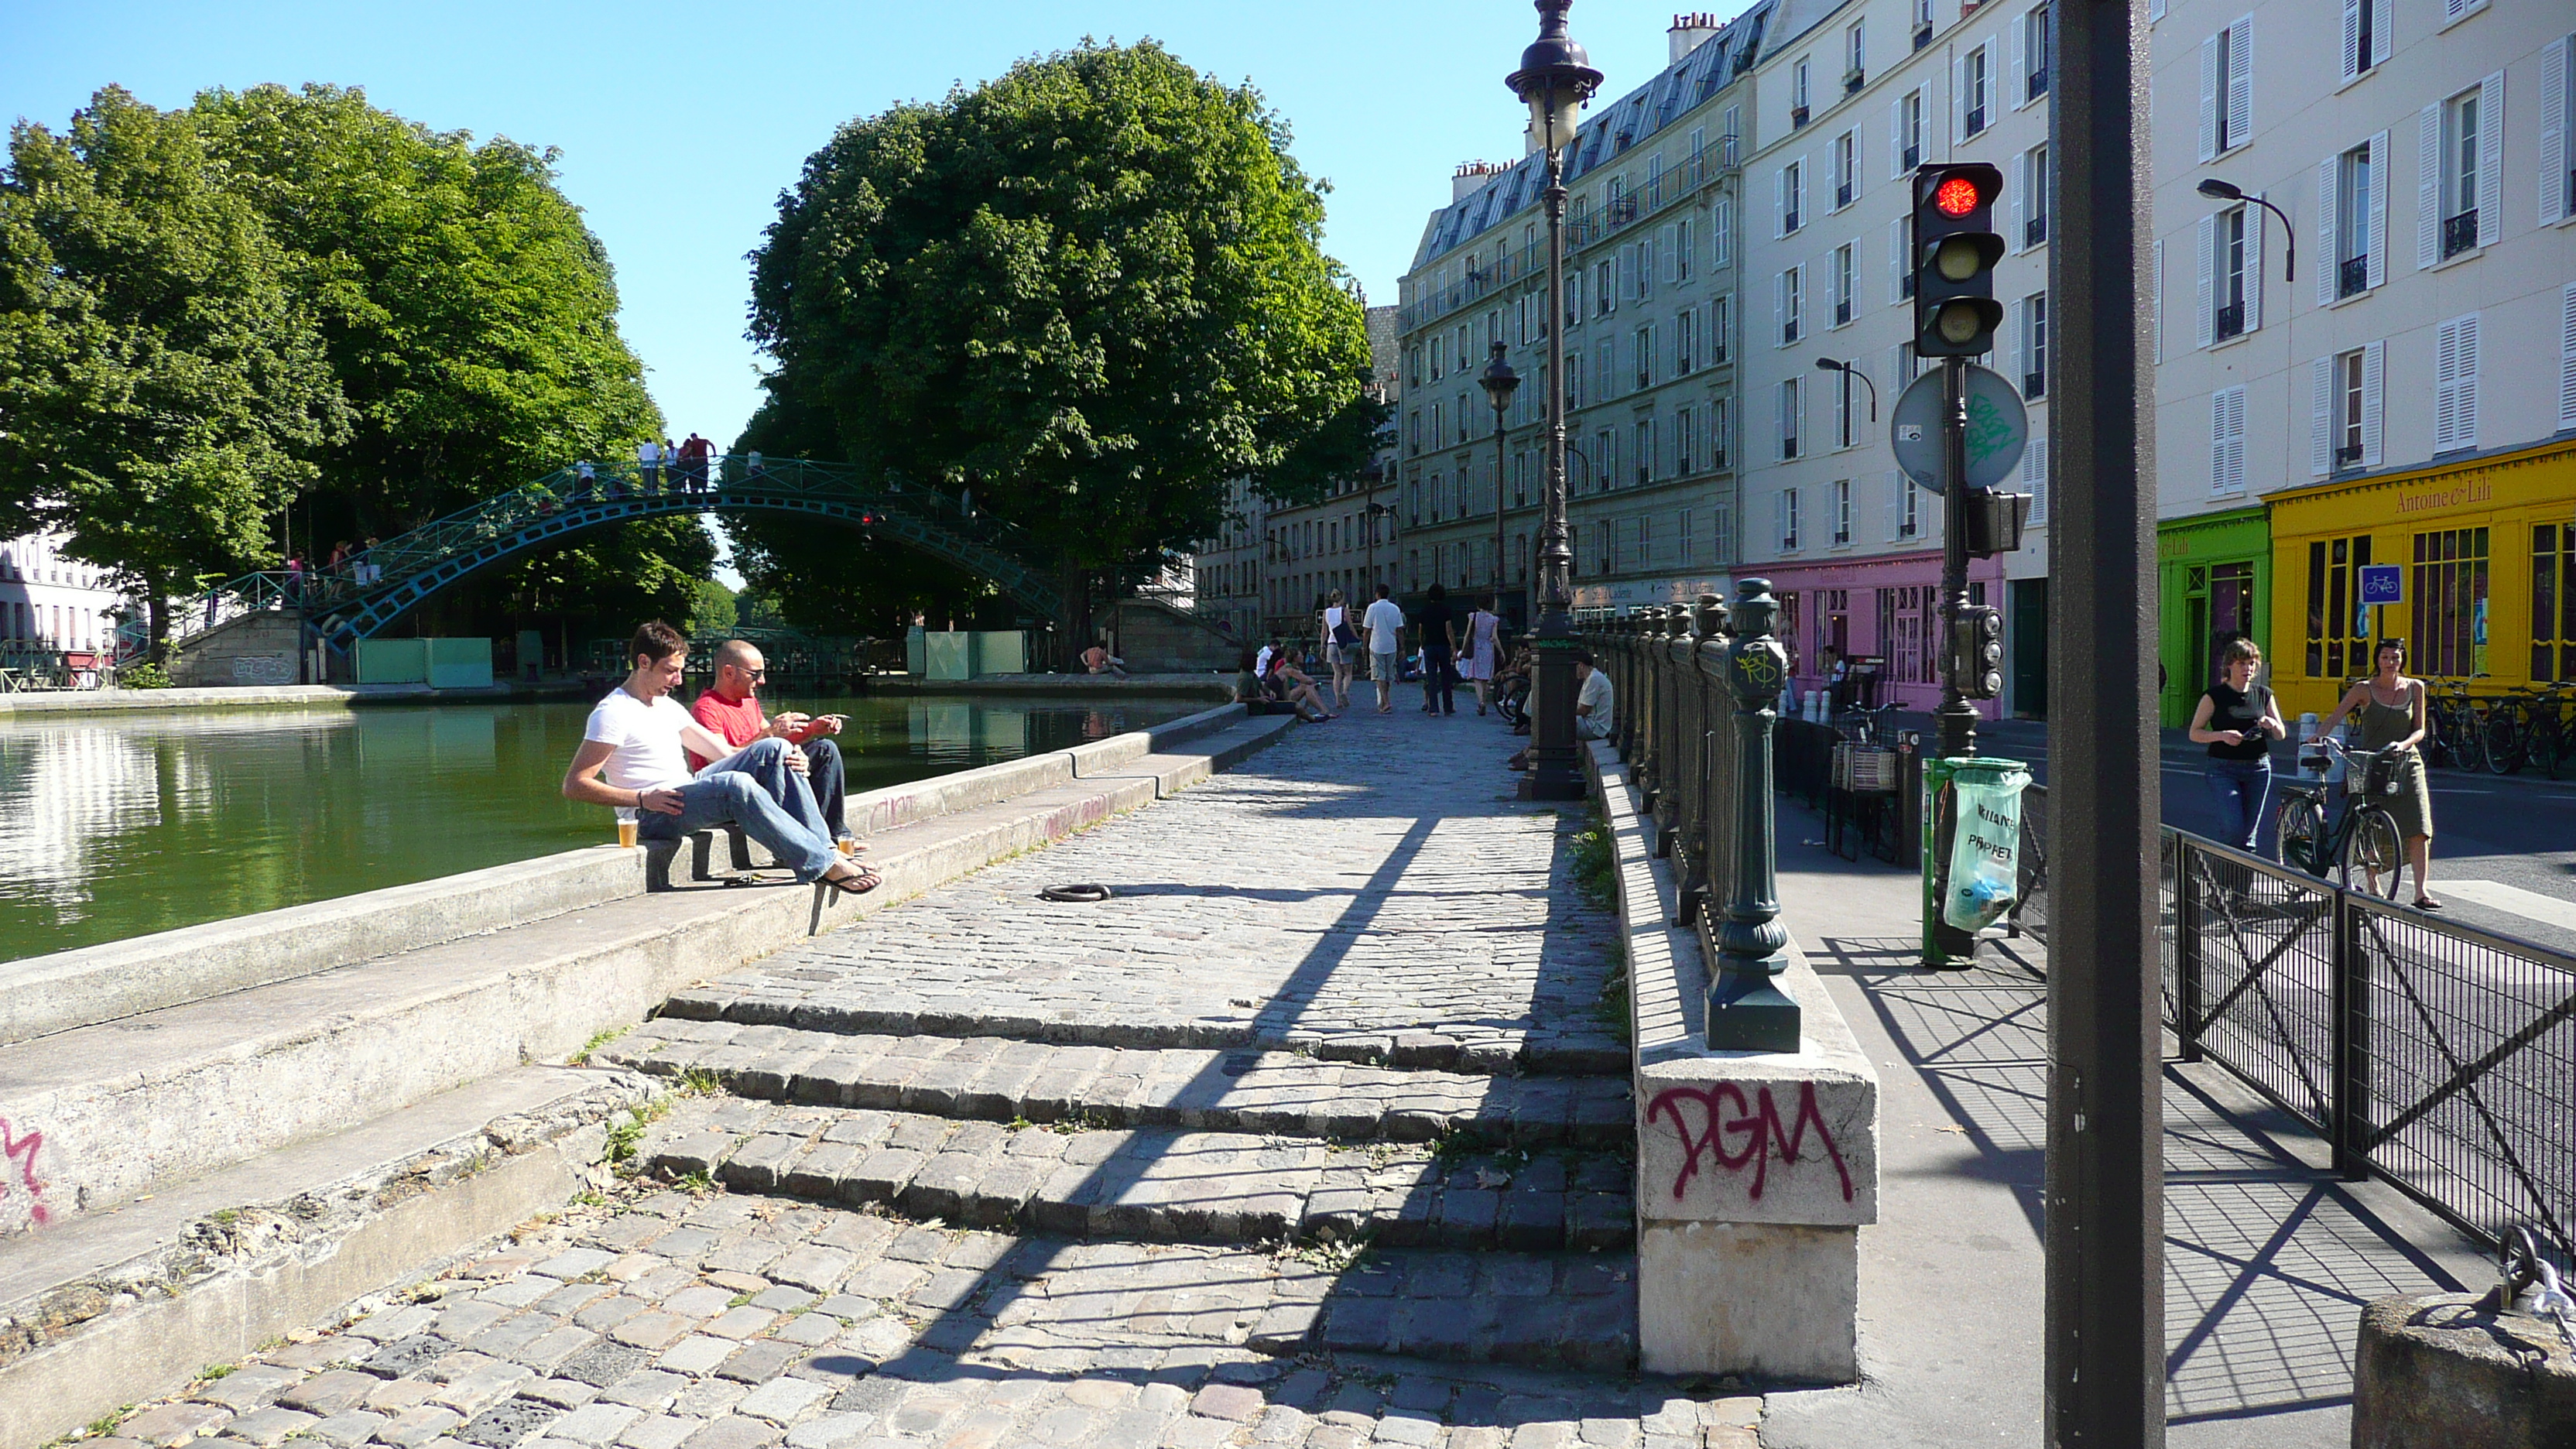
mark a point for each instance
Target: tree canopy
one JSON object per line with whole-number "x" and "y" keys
{"x": 1090, "y": 291}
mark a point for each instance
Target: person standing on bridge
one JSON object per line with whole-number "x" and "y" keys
{"x": 634, "y": 757}
{"x": 730, "y": 708}
{"x": 693, "y": 462}
{"x": 648, "y": 465}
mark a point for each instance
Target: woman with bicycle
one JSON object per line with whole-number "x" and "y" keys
{"x": 2389, "y": 707}
{"x": 2238, "y": 719}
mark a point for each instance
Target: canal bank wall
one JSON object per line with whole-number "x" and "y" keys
{"x": 60, "y": 703}
{"x": 182, "y": 1178}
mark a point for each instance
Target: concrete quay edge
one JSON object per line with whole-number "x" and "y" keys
{"x": 126, "y": 1105}
{"x": 1747, "y": 1235}
{"x": 40, "y": 995}
{"x": 106, "y": 1310}
{"x": 57, "y": 702}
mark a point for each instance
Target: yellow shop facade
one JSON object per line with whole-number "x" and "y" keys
{"x": 2485, "y": 549}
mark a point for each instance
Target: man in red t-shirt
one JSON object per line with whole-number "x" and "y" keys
{"x": 731, "y": 710}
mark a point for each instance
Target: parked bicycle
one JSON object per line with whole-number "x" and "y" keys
{"x": 2459, "y": 725}
{"x": 2360, "y": 845}
{"x": 2526, "y": 728}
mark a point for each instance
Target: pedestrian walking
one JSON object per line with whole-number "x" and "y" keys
{"x": 2238, "y": 720}
{"x": 369, "y": 571}
{"x": 1385, "y": 625}
{"x": 1341, "y": 641}
{"x": 1481, "y": 652}
{"x": 648, "y": 465}
{"x": 2390, "y": 709}
{"x": 1439, "y": 651}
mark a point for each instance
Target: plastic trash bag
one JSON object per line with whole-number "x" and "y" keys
{"x": 1985, "y": 849}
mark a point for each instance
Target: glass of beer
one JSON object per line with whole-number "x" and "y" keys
{"x": 846, "y": 845}
{"x": 626, "y": 832}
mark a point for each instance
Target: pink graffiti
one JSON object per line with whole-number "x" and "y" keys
{"x": 22, "y": 1151}
{"x": 1756, "y": 1128}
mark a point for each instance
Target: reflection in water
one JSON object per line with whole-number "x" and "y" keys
{"x": 122, "y": 826}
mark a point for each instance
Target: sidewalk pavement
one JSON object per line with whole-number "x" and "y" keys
{"x": 2269, "y": 1257}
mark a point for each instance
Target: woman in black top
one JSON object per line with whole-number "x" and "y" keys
{"x": 2238, "y": 719}
{"x": 1439, "y": 648}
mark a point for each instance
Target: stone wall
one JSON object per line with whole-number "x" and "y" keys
{"x": 255, "y": 649}
{"x": 1155, "y": 638}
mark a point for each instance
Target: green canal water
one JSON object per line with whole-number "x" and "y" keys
{"x": 116, "y": 827}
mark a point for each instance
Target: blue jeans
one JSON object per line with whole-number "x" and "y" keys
{"x": 2239, "y": 788}
{"x": 826, "y": 778}
{"x": 1437, "y": 679}
{"x": 755, "y": 789}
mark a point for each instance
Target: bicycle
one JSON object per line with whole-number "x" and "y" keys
{"x": 2545, "y": 744}
{"x": 2459, "y": 726}
{"x": 2363, "y": 840}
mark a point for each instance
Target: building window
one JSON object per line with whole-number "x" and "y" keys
{"x": 1842, "y": 512}
{"x": 1909, "y": 131}
{"x": 2034, "y": 345}
{"x": 1789, "y": 305}
{"x": 1685, "y": 353}
{"x": 2553, "y": 602}
{"x": 1645, "y": 345}
{"x": 2338, "y": 622}
{"x": 2034, "y": 190}
{"x": 2356, "y": 184}
{"x": 2450, "y": 592}
{"x": 1721, "y": 326}
{"x": 2363, "y": 44}
{"x": 1682, "y": 250}
{"x": 1905, "y": 504}
{"x": 1846, "y": 168}
{"x": 1793, "y": 196}
{"x": 2455, "y": 384}
{"x": 1573, "y": 379}
{"x": 2227, "y": 440}
{"x": 1798, "y": 94}
{"x": 2464, "y": 122}
{"x": 1846, "y": 421}
{"x": 2035, "y": 45}
{"x": 1855, "y": 58}
{"x": 1683, "y": 460}
{"x": 1922, "y": 23}
{"x": 1793, "y": 411}
{"x": 1717, "y": 433}
{"x": 1974, "y": 88}
{"x": 1845, "y": 280}
{"x": 1605, "y": 460}
{"x": 1788, "y": 506}
{"x": 1605, "y": 365}
{"x": 2227, "y": 89}
{"x": 1644, "y": 460}
{"x": 2229, "y": 319}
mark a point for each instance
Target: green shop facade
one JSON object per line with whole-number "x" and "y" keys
{"x": 2214, "y": 584}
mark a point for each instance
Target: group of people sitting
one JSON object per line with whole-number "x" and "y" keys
{"x": 722, "y": 762}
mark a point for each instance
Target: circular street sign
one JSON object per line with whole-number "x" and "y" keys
{"x": 1998, "y": 429}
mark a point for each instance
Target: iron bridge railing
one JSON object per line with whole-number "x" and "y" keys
{"x": 369, "y": 590}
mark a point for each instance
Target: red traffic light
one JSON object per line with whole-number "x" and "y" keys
{"x": 1956, "y": 196}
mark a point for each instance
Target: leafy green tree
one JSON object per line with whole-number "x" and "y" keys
{"x": 1090, "y": 291}
{"x": 163, "y": 384}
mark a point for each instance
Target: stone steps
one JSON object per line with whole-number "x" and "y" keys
{"x": 1000, "y": 1079}
{"x": 1152, "y": 1184}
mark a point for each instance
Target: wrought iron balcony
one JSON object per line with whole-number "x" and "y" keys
{"x": 1797, "y": 117}
{"x": 2034, "y": 384}
{"x": 2459, "y": 233}
{"x": 2034, "y": 230}
{"x": 2352, "y": 277}
{"x": 1923, "y": 35}
{"x": 2348, "y": 456}
{"x": 2229, "y": 322}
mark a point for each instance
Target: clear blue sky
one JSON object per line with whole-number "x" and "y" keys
{"x": 679, "y": 125}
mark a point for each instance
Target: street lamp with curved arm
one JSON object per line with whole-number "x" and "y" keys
{"x": 1827, "y": 364}
{"x": 2217, "y": 190}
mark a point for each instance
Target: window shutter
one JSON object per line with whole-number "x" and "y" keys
{"x": 1671, "y": 263}
{"x": 2020, "y": 188}
{"x": 2203, "y": 311}
{"x": 2352, "y": 38}
{"x": 2240, "y": 80}
{"x": 2155, "y": 11}
{"x": 2034, "y": 472}
{"x": 2491, "y": 159}
{"x": 2321, "y": 419}
{"x": 2468, "y": 381}
{"x": 2455, "y": 384}
{"x": 1896, "y": 138}
{"x": 2227, "y": 440}
{"x": 1798, "y": 198}
{"x": 2020, "y": 92}
{"x": 2156, "y": 301}
{"x": 2428, "y": 186}
{"x": 1780, "y": 202}
{"x": 1780, "y": 518}
{"x": 1779, "y": 308}
{"x": 2567, "y": 357}
{"x": 2554, "y": 121}
{"x": 1887, "y": 516}
{"x": 2209, "y": 99}
{"x": 2257, "y": 221}
{"x": 1896, "y": 261}
{"x": 2329, "y": 259}
{"x": 2374, "y": 367}
{"x": 2378, "y": 242}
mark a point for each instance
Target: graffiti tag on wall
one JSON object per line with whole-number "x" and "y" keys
{"x": 20, "y": 1193}
{"x": 1736, "y": 1132}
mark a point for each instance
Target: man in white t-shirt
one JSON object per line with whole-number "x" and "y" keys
{"x": 1592, "y": 699}
{"x": 634, "y": 758}
{"x": 1384, "y": 624}
{"x": 648, "y": 465}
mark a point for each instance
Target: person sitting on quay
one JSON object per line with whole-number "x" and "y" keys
{"x": 730, "y": 710}
{"x": 1592, "y": 706}
{"x": 639, "y": 740}
{"x": 1294, "y": 687}
{"x": 1099, "y": 660}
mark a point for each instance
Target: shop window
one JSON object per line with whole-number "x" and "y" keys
{"x": 2553, "y": 602}
{"x": 2338, "y": 624}
{"x": 2450, "y": 592}
{"x": 1907, "y": 617}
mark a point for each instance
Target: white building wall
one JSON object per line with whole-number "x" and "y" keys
{"x": 53, "y": 602}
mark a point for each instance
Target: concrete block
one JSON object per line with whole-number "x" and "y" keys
{"x": 1766, "y": 1300}
{"x": 2436, "y": 1372}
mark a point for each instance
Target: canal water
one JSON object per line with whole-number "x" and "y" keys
{"x": 116, "y": 827}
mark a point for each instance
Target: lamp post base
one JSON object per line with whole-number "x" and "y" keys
{"x": 1535, "y": 786}
{"x": 1747, "y": 1010}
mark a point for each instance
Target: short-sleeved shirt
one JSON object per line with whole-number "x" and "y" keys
{"x": 1595, "y": 694}
{"x": 735, "y": 721}
{"x": 2231, "y": 710}
{"x": 644, "y": 738}
{"x": 1384, "y": 621}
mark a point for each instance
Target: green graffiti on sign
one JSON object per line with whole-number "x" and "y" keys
{"x": 1989, "y": 431}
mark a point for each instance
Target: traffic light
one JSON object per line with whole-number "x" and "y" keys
{"x": 1955, "y": 249}
{"x": 1977, "y": 651}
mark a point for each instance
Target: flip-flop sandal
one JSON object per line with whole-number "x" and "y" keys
{"x": 2427, "y": 903}
{"x": 854, "y": 885}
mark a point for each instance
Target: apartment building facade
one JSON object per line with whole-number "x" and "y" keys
{"x": 1651, "y": 330}
{"x": 51, "y": 602}
{"x": 2408, "y": 397}
{"x": 1847, "y": 99}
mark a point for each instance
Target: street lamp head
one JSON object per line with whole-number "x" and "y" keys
{"x": 1498, "y": 380}
{"x": 1827, "y": 364}
{"x": 1555, "y": 79}
{"x": 2217, "y": 190}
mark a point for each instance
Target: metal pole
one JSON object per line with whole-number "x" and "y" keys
{"x": 1954, "y": 720}
{"x": 2105, "y": 1195}
{"x": 1552, "y": 774}
{"x": 1499, "y": 461}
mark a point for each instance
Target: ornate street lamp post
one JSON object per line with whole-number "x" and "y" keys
{"x": 1499, "y": 382}
{"x": 1555, "y": 79}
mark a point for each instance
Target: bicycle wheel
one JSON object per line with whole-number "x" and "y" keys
{"x": 2468, "y": 739}
{"x": 2504, "y": 740}
{"x": 2547, "y": 747}
{"x": 2302, "y": 843}
{"x": 2374, "y": 854}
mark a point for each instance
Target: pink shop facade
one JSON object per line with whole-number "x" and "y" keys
{"x": 1884, "y": 610}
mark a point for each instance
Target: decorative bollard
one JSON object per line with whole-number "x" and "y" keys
{"x": 1747, "y": 1011}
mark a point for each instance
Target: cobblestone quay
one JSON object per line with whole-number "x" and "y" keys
{"x": 1315, "y": 1132}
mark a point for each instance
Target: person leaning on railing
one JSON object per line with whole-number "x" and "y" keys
{"x": 2389, "y": 707}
